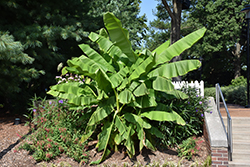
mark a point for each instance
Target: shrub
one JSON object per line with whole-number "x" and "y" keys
{"x": 192, "y": 111}
{"x": 58, "y": 131}
{"x": 127, "y": 88}
{"x": 236, "y": 93}
{"x": 239, "y": 81}
{"x": 210, "y": 92}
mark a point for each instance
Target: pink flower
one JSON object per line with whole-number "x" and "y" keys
{"x": 192, "y": 151}
{"x": 49, "y": 146}
{"x": 15, "y": 151}
{"x": 18, "y": 135}
{"x": 49, "y": 140}
{"x": 60, "y": 149}
{"x": 47, "y": 130}
{"x": 48, "y": 155}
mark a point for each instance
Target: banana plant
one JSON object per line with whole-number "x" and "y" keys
{"x": 125, "y": 89}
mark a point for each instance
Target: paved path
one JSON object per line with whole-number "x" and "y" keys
{"x": 235, "y": 110}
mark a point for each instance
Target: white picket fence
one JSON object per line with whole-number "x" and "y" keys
{"x": 198, "y": 85}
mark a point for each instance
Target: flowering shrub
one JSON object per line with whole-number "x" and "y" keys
{"x": 70, "y": 78}
{"x": 192, "y": 111}
{"x": 58, "y": 131}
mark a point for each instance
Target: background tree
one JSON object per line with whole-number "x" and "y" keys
{"x": 51, "y": 30}
{"x": 160, "y": 28}
{"x": 221, "y": 50}
{"x": 12, "y": 65}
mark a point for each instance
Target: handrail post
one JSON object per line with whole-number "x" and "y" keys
{"x": 229, "y": 120}
{"x": 229, "y": 125}
{"x": 217, "y": 97}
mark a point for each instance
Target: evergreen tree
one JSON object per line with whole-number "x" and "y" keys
{"x": 12, "y": 64}
{"x": 50, "y": 31}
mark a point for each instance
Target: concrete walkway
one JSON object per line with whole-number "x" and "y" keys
{"x": 235, "y": 110}
{"x": 241, "y": 134}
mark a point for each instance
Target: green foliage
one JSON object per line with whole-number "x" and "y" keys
{"x": 58, "y": 131}
{"x": 49, "y": 32}
{"x": 210, "y": 92}
{"x": 12, "y": 63}
{"x": 124, "y": 87}
{"x": 192, "y": 111}
{"x": 239, "y": 81}
{"x": 222, "y": 51}
{"x": 188, "y": 148}
{"x": 236, "y": 93}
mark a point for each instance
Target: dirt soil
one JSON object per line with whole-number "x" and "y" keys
{"x": 10, "y": 156}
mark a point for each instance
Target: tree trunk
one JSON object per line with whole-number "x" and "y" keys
{"x": 176, "y": 25}
{"x": 237, "y": 60}
{"x": 175, "y": 15}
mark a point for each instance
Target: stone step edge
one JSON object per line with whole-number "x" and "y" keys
{"x": 238, "y": 125}
{"x": 237, "y": 117}
{"x": 236, "y": 151}
{"x": 237, "y": 132}
{"x": 240, "y": 161}
{"x": 241, "y": 141}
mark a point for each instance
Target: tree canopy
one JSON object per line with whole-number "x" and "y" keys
{"x": 221, "y": 50}
{"x": 49, "y": 32}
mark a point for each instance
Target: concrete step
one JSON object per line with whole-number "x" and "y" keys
{"x": 238, "y": 120}
{"x": 239, "y": 163}
{"x": 241, "y": 135}
{"x": 241, "y": 145}
{"x": 240, "y": 128}
{"x": 240, "y": 155}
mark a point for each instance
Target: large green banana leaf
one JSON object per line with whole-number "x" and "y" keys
{"x": 162, "y": 47}
{"x": 108, "y": 47}
{"x": 119, "y": 35}
{"x": 175, "y": 69}
{"x": 164, "y": 116}
{"x": 162, "y": 84}
{"x": 178, "y": 47}
{"x": 97, "y": 58}
{"x": 103, "y": 141}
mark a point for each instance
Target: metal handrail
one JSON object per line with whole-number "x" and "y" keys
{"x": 229, "y": 120}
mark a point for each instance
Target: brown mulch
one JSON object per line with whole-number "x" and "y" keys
{"x": 10, "y": 156}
